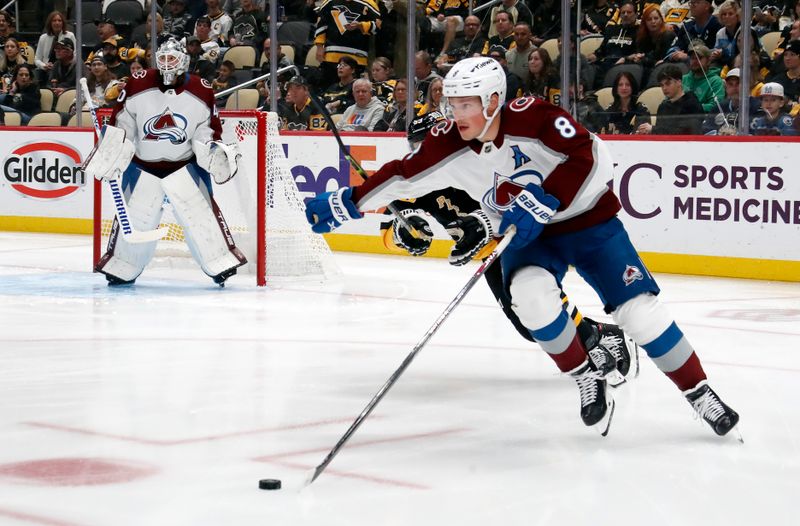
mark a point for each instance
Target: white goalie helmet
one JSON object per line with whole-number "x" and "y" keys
{"x": 172, "y": 60}
{"x": 477, "y": 76}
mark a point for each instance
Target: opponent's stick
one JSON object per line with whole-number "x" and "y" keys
{"x": 130, "y": 235}
{"x": 357, "y": 167}
{"x": 418, "y": 347}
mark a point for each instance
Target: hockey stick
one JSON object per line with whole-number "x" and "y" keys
{"x": 417, "y": 348}
{"x": 130, "y": 235}
{"x": 356, "y": 166}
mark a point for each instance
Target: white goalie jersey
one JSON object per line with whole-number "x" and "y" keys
{"x": 165, "y": 123}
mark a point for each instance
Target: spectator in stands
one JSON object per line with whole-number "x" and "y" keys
{"x": 141, "y": 38}
{"x": 55, "y": 29}
{"x": 11, "y": 59}
{"x": 365, "y": 113}
{"x": 445, "y": 16}
{"x": 107, "y": 28}
{"x": 63, "y": 75}
{"x": 546, "y": 21}
{"x": 543, "y": 79}
{"x": 112, "y": 43}
{"x": 107, "y": 2}
{"x": 334, "y": 38}
{"x": 585, "y": 107}
{"x": 703, "y": 26}
{"x": 517, "y": 57}
{"x": 596, "y": 17}
{"x": 653, "y": 39}
{"x": 726, "y": 123}
{"x": 757, "y": 73}
{"x": 703, "y": 79}
{"x": 7, "y": 27}
{"x": 765, "y": 16}
{"x": 101, "y": 81}
{"x": 23, "y": 95}
{"x": 424, "y": 73}
{"x": 619, "y": 41}
{"x": 381, "y": 73}
{"x": 725, "y": 48}
{"x": 789, "y": 33}
{"x": 298, "y": 113}
{"x": 468, "y": 45}
{"x": 210, "y": 45}
{"x": 773, "y": 118}
{"x": 250, "y": 25}
{"x": 283, "y": 60}
{"x": 505, "y": 33}
{"x": 513, "y": 82}
{"x": 625, "y": 114}
{"x": 224, "y": 81}
{"x": 177, "y": 21}
{"x": 517, "y": 10}
{"x": 339, "y": 95}
{"x": 434, "y": 101}
{"x": 221, "y": 22}
{"x": 110, "y": 55}
{"x": 198, "y": 64}
{"x": 790, "y": 77}
{"x": 394, "y": 117}
{"x": 680, "y": 113}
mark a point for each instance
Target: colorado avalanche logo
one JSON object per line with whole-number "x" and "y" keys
{"x": 631, "y": 274}
{"x": 505, "y": 189}
{"x": 166, "y": 127}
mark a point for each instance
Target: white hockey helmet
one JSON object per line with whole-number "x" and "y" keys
{"x": 172, "y": 60}
{"x": 477, "y": 76}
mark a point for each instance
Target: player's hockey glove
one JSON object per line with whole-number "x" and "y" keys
{"x": 530, "y": 212}
{"x": 329, "y": 210}
{"x": 111, "y": 156}
{"x": 471, "y": 233}
{"x": 219, "y": 159}
{"x": 416, "y": 246}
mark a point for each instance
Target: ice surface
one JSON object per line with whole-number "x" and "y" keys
{"x": 165, "y": 403}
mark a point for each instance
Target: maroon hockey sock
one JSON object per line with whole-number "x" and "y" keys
{"x": 689, "y": 374}
{"x": 572, "y": 357}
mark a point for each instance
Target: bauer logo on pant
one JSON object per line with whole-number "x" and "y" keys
{"x": 44, "y": 170}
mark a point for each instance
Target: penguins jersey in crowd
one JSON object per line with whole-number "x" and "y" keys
{"x": 163, "y": 121}
{"x": 334, "y": 16}
{"x": 537, "y": 143}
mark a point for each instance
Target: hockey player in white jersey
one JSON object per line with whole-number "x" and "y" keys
{"x": 171, "y": 147}
{"x": 531, "y": 165}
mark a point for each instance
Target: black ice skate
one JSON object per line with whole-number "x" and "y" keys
{"x": 597, "y": 405}
{"x": 114, "y": 281}
{"x": 624, "y": 350}
{"x": 710, "y": 408}
{"x": 220, "y": 278}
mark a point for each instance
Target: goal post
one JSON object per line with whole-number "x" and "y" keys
{"x": 261, "y": 204}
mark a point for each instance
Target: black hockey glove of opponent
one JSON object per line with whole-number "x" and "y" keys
{"x": 416, "y": 246}
{"x": 471, "y": 233}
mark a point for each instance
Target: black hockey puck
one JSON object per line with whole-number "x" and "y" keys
{"x": 269, "y": 484}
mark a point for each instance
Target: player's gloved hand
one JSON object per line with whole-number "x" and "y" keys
{"x": 223, "y": 161}
{"x": 530, "y": 212}
{"x": 329, "y": 210}
{"x": 416, "y": 246}
{"x": 471, "y": 233}
{"x": 111, "y": 156}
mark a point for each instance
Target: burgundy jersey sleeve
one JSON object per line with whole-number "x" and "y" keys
{"x": 559, "y": 132}
{"x": 201, "y": 88}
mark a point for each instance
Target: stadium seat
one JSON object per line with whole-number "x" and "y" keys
{"x": 635, "y": 69}
{"x": 651, "y": 98}
{"x": 287, "y": 50}
{"x": 86, "y": 120}
{"x": 604, "y": 97}
{"x": 652, "y": 80}
{"x": 48, "y": 118}
{"x": 12, "y": 118}
{"x": 551, "y": 46}
{"x": 243, "y": 99}
{"x": 311, "y": 57}
{"x": 91, "y": 11}
{"x": 139, "y": 34}
{"x": 125, "y": 12}
{"x": 90, "y": 40}
{"x": 243, "y": 57}
{"x": 297, "y": 33}
{"x": 770, "y": 41}
{"x": 590, "y": 44}
{"x": 65, "y": 100}
{"x": 47, "y": 98}
{"x": 29, "y": 53}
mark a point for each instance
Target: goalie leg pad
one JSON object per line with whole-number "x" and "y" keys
{"x": 207, "y": 234}
{"x": 144, "y": 197}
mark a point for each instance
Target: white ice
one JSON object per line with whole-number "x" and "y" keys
{"x": 165, "y": 403}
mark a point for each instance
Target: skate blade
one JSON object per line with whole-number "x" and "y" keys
{"x": 604, "y": 424}
{"x": 737, "y": 434}
{"x": 633, "y": 351}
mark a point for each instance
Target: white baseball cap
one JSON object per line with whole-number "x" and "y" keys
{"x": 735, "y": 72}
{"x": 772, "y": 88}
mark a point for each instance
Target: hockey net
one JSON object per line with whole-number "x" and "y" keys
{"x": 262, "y": 206}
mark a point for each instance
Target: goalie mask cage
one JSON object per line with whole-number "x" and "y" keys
{"x": 261, "y": 204}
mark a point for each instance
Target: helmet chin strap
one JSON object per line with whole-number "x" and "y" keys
{"x": 489, "y": 121}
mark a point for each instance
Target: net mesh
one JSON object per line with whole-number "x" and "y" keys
{"x": 291, "y": 251}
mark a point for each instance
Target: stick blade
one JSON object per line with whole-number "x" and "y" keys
{"x": 146, "y": 237}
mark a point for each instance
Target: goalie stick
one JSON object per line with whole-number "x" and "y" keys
{"x": 128, "y": 232}
{"x": 356, "y": 166}
{"x": 509, "y": 234}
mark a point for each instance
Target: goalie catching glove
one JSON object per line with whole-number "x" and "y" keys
{"x": 471, "y": 233}
{"x": 416, "y": 246}
{"x": 219, "y": 159}
{"x": 111, "y": 156}
{"x": 531, "y": 211}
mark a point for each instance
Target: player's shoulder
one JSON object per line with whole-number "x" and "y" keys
{"x": 199, "y": 87}
{"x": 444, "y": 136}
{"x": 521, "y": 115}
{"x": 141, "y": 80}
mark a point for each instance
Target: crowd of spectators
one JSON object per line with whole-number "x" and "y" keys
{"x": 687, "y": 52}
